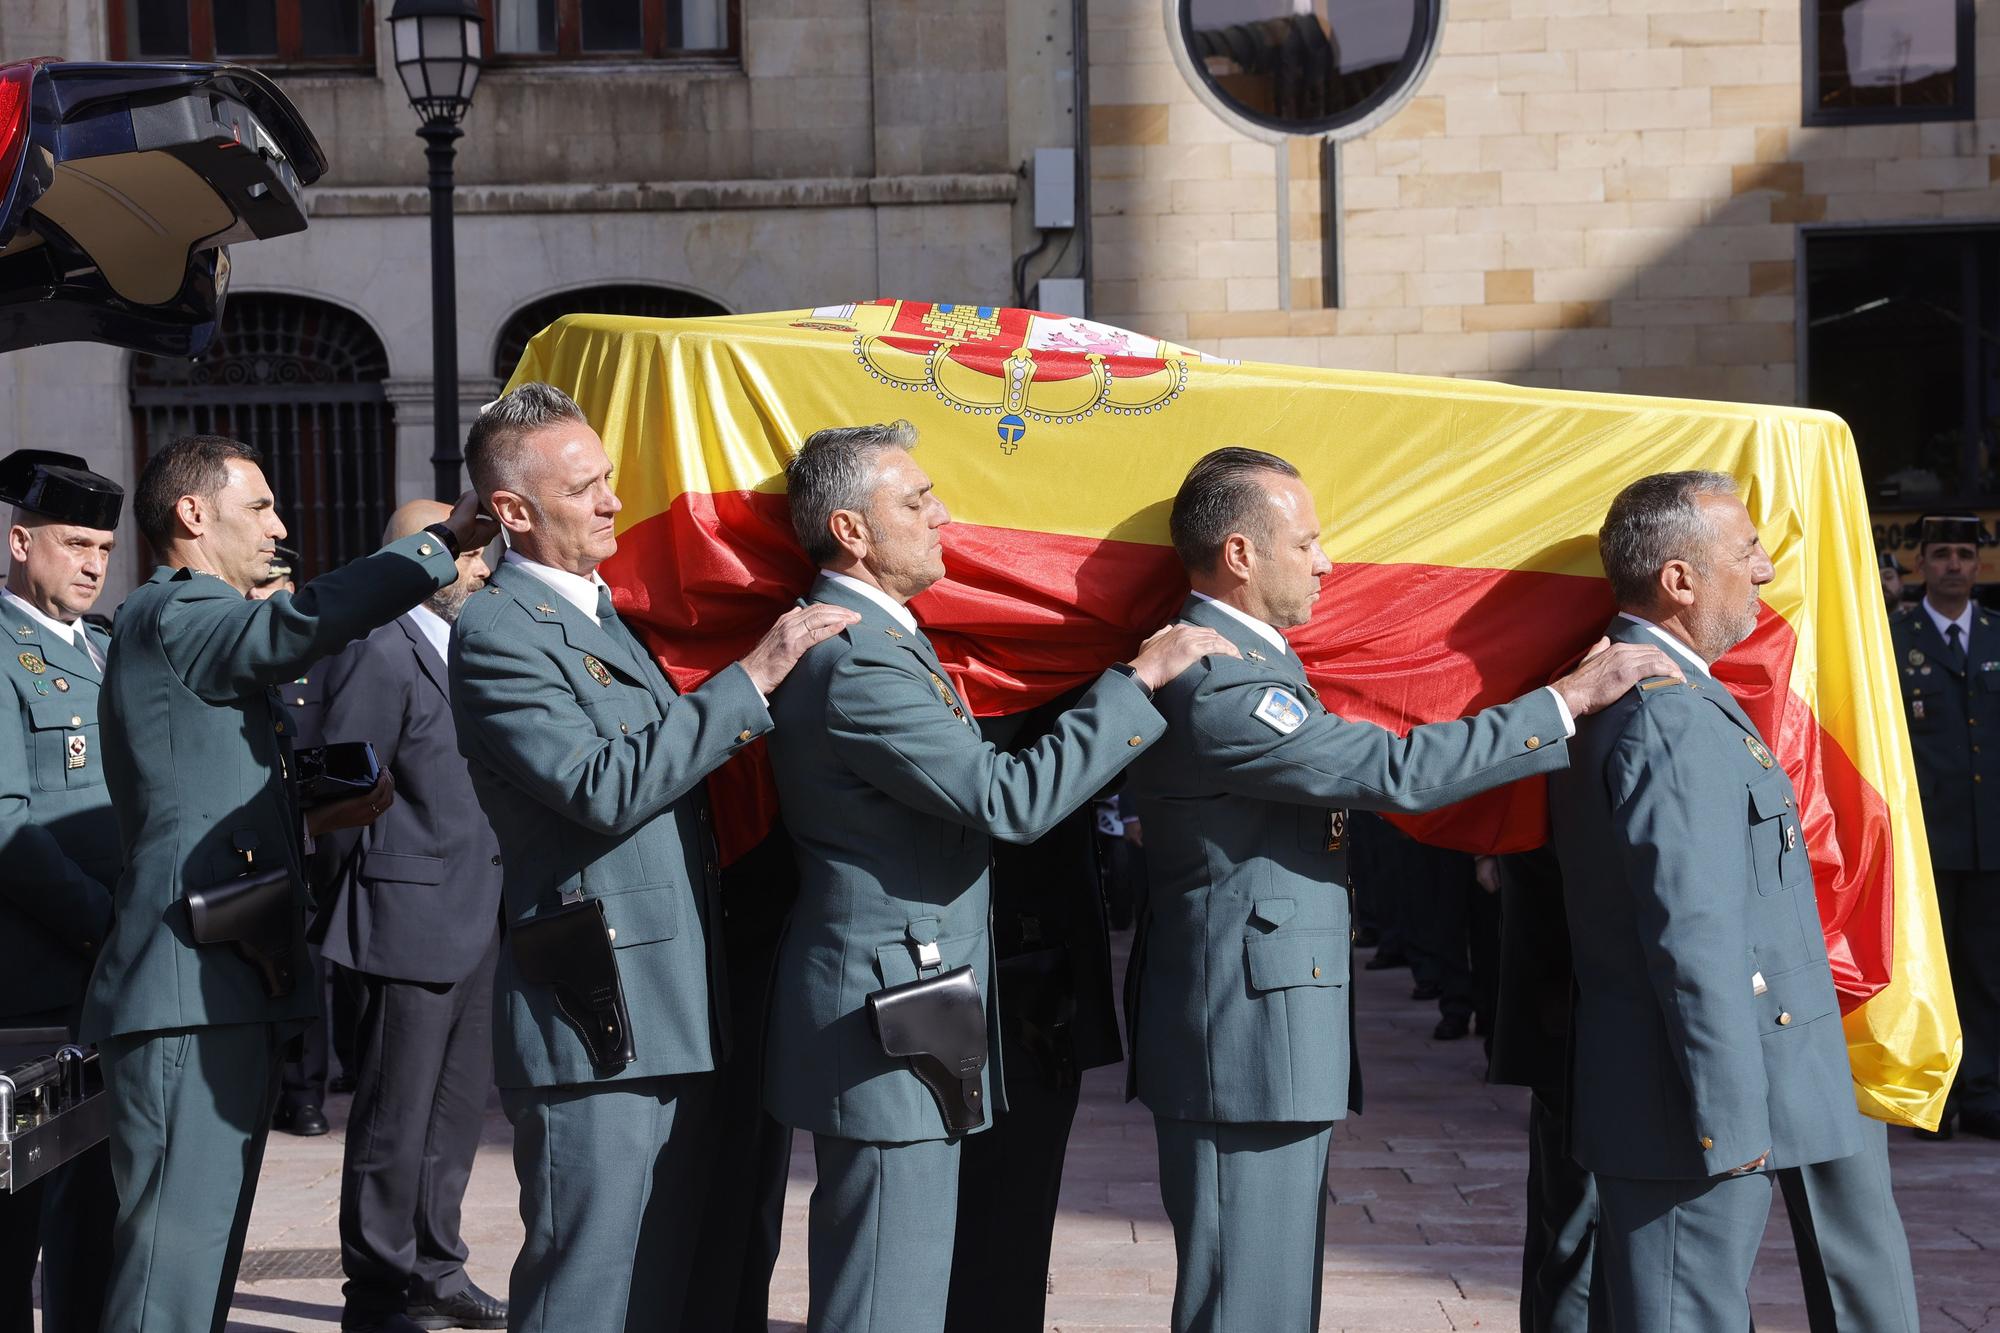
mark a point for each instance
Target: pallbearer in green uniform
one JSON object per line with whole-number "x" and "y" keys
{"x": 191, "y": 1034}
{"x": 1242, "y": 1045}
{"x": 891, "y": 795}
{"x": 59, "y": 844}
{"x": 1707, "y": 1035}
{"x": 590, "y": 767}
{"x": 1948, "y": 655}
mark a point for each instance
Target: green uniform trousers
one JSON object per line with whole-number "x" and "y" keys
{"x": 606, "y": 1171}
{"x": 190, "y": 1110}
{"x": 879, "y": 1235}
{"x": 1853, "y": 1256}
{"x": 1248, "y": 1204}
{"x": 1678, "y": 1253}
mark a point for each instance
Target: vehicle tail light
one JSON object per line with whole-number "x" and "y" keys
{"x": 16, "y": 83}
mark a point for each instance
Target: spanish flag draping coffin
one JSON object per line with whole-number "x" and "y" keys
{"x": 1461, "y": 519}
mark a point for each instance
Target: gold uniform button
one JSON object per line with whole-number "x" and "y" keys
{"x": 624, "y": 728}
{"x": 742, "y": 736}
{"x": 281, "y": 728}
{"x": 1784, "y": 1020}
{"x": 611, "y": 932}
{"x": 77, "y": 722}
{"x": 1706, "y": 1143}
{"x": 425, "y": 549}
{"x": 1315, "y": 974}
{"x": 1136, "y": 740}
{"x": 1534, "y": 742}
{"x": 300, "y": 701}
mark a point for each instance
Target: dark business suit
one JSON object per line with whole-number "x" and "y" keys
{"x": 418, "y": 922}
{"x": 59, "y": 844}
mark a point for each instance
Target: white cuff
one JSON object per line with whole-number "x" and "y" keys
{"x": 1562, "y": 707}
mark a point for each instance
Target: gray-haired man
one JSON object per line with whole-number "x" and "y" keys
{"x": 1708, "y": 1041}
{"x": 891, "y": 795}
{"x": 589, "y": 766}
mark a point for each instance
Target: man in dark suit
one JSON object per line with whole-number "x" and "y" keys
{"x": 1948, "y": 650}
{"x": 418, "y": 923}
{"x": 59, "y": 844}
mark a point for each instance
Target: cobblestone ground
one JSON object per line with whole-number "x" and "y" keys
{"x": 1423, "y": 1232}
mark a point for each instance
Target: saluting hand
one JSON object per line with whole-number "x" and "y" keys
{"x": 1176, "y": 648}
{"x": 786, "y": 642}
{"x": 473, "y": 526}
{"x": 1609, "y": 670}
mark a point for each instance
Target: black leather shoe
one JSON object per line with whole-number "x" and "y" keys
{"x": 1425, "y": 990}
{"x": 1382, "y": 962}
{"x": 306, "y": 1121}
{"x": 471, "y": 1308}
{"x": 1451, "y": 1027}
{"x": 380, "y": 1321}
{"x": 1986, "y": 1124}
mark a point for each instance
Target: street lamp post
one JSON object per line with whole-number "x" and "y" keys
{"x": 438, "y": 58}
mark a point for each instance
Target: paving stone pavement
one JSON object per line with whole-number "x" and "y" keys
{"x": 1423, "y": 1232}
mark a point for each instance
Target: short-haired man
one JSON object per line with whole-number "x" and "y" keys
{"x": 192, "y": 1034}
{"x": 891, "y": 795}
{"x": 1242, "y": 1042}
{"x": 1948, "y": 654}
{"x": 59, "y": 843}
{"x": 589, "y": 766}
{"x": 1708, "y": 1043}
{"x": 417, "y": 925}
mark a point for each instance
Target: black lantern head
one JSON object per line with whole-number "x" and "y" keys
{"x": 438, "y": 54}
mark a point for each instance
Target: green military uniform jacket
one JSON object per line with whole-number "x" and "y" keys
{"x": 590, "y": 768}
{"x": 1951, "y": 710}
{"x": 58, "y": 836}
{"x": 891, "y": 793}
{"x": 1242, "y": 1011}
{"x": 1706, "y": 1028}
{"x": 197, "y": 759}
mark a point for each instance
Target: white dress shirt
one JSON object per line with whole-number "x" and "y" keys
{"x": 575, "y": 589}
{"x": 877, "y": 596}
{"x": 71, "y": 632}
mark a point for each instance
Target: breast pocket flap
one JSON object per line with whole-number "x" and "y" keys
{"x": 1770, "y": 797}
{"x": 643, "y": 915}
{"x": 398, "y": 868}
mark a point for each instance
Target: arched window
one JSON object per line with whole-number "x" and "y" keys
{"x": 301, "y": 380}
{"x": 625, "y": 298}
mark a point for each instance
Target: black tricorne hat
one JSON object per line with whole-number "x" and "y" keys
{"x": 1948, "y": 528}
{"x": 61, "y": 487}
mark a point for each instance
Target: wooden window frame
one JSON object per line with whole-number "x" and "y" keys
{"x": 1964, "y": 81}
{"x": 569, "y": 39}
{"x": 201, "y": 37}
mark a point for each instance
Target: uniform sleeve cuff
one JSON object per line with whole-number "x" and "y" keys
{"x": 1562, "y": 711}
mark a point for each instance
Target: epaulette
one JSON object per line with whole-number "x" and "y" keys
{"x": 1654, "y": 684}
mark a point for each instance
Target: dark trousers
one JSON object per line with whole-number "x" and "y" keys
{"x": 741, "y": 1180}
{"x": 1009, "y": 1179}
{"x": 424, "y": 1066}
{"x": 1854, "y": 1258}
{"x": 1453, "y": 931}
{"x": 302, "y": 1082}
{"x": 1562, "y": 1284}
{"x": 1969, "y": 911}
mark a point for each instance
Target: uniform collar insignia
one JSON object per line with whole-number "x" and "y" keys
{"x": 1253, "y": 654}
{"x": 895, "y": 635}
{"x": 545, "y": 608}
{"x": 26, "y": 631}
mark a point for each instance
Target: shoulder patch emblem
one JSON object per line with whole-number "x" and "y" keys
{"x": 596, "y": 670}
{"x": 1757, "y": 751}
{"x": 1280, "y": 710}
{"x": 34, "y": 663}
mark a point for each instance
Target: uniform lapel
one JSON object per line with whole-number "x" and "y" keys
{"x": 1622, "y": 630}
{"x": 549, "y": 607}
{"x": 875, "y": 620}
{"x": 1255, "y": 648}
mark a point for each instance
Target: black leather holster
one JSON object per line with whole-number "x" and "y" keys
{"x": 254, "y": 914}
{"x": 938, "y": 1024}
{"x": 568, "y": 949}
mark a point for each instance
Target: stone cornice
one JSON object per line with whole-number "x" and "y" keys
{"x": 672, "y": 196}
